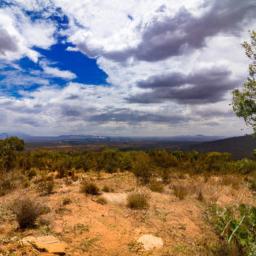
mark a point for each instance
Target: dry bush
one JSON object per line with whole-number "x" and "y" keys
{"x": 253, "y": 185}
{"x": 46, "y": 186}
{"x": 6, "y": 184}
{"x": 31, "y": 173}
{"x": 232, "y": 181}
{"x": 180, "y": 191}
{"x": 26, "y": 211}
{"x": 107, "y": 189}
{"x": 156, "y": 186}
{"x": 89, "y": 188}
{"x": 200, "y": 196}
{"x": 66, "y": 201}
{"x": 138, "y": 201}
{"x": 101, "y": 200}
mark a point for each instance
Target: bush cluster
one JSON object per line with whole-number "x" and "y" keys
{"x": 144, "y": 164}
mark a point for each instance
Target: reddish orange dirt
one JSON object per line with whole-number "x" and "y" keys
{"x": 90, "y": 228}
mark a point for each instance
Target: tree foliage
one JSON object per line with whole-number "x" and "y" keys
{"x": 8, "y": 152}
{"x": 244, "y": 101}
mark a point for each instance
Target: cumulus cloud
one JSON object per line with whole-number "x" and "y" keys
{"x": 158, "y": 34}
{"x": 172, "y": 36}
{"x": 55, "y": 72}
{"x": 6, "y": 42}
{"x": 19, "y": 34}
{"x": 169, "y": 64}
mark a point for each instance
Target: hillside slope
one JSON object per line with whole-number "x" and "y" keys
{"x": 239, "y": 147}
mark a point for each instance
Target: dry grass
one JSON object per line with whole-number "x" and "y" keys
{"x": 156, "y": 186}
{"x": 26, "y": 211}
{"x": 101, "y": 200}
{"x": 89, "y": 188}
{"x": 46, "y": 186}
{"x": 138, "y": 201}
{"x": 180, "y": 191}
{"x": 232, "y": 181}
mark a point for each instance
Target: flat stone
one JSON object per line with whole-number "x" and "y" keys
{"x": 150, "y": 242}
{"x": 115, "y": 198}
{"x": 49, "y": 244}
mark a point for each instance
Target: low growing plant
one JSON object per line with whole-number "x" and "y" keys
{"x": 26, "y": 211}
{"x": 89, "y": 188}
{"x": 237, "y": 226}
{"x": 156, "y": 186}
{"x": 138, "y": 201}
{"x": 180, "y": 191}
{"x": 46, "y": 186}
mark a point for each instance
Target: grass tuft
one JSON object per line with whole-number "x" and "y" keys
{"x": 138, "y": 201}
{"x": 26, "y": 212}
{"x": 89, "y": 188}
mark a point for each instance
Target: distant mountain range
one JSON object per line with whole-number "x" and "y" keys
{"x": 82, "y": 138}
{"x": 239, "y": 147}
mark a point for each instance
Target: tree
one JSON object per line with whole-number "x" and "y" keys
{"x": 8, "y": 151}
{"x": 244, "y": 101}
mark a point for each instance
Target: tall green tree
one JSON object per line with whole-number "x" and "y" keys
{"x": 244, "y": 100}
{"x": 8, "y": 152}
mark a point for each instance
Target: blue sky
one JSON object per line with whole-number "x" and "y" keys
{"x": 122, "y": 68}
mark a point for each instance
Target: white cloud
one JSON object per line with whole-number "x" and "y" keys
{"x": 108, "y": 29}
{"x": 55, "y": 72}
{"x": 20, "y": 34}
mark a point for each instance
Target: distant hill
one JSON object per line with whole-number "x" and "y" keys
{"x": 239, "y": 147}
{"x": 77, "y": 139}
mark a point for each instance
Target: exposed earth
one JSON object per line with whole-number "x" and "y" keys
{"x": 86, "y": 226}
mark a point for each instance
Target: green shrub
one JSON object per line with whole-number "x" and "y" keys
{"x": 156, "y": 186}
{"x": 215, "y": 161}
{"x": 138, "y": 201}
{"x": 236, "y": 226}
{"x": 89, "y": 188}
{"x": 26, "y": 212}
{"x": 245, "y": 166}
{"x": 142, "y": 167}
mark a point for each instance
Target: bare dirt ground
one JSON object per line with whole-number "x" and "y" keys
{"x": 90, "y": 228}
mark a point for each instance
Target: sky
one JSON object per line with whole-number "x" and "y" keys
{"x": 123, "y": 68}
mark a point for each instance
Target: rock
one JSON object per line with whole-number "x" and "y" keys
{"x": 115, "y": 198}
{"x": 49, "y": 244}
{"x": 150, "y": 242}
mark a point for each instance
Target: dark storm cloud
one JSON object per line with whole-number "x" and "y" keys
{"x": 133, "y": 117}
{"x": 172, "y": 36}
{"x": 204, "y": 86}
{"x": 7, "y": 43}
